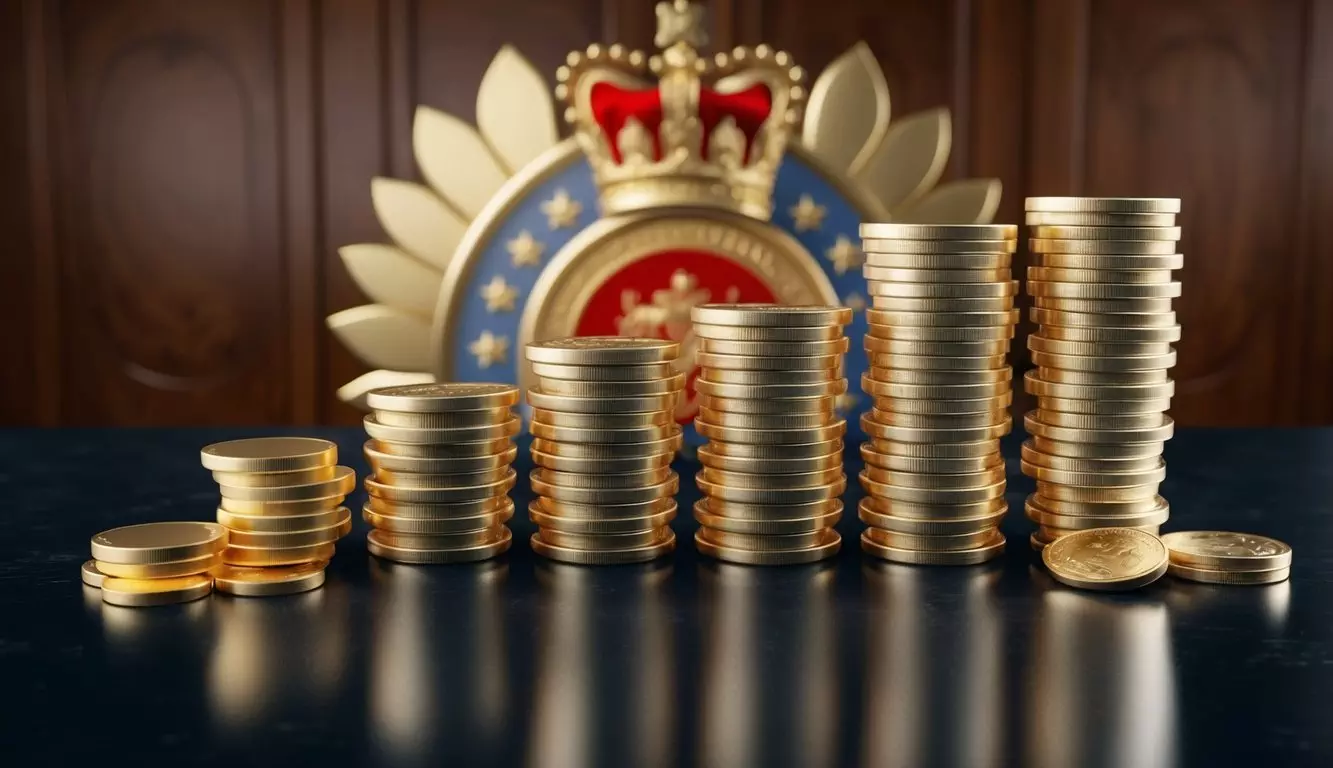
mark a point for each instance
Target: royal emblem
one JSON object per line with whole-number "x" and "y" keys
{"x": 687, "y": 179}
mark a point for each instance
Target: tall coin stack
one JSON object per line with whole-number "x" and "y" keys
{"x": 282, "y": 508}
{"x": 1101, "y": 291}
{"x": 604, "y": 434}
{"x": 769, "y": 380}
{"x": 440, "y": 455}
{"x": 941, "y": 319}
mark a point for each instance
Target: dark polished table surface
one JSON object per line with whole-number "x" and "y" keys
{"x": 682, "y": 662}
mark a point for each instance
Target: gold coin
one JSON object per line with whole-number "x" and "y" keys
{"x": 1107, "y": 364}
{"x": 568, "y": 404}
{"x": 705, "y": 386}
{"x": 941, "y": 319}
{"x": 1089, "y": 276}
{"x": 1100, "y": 219}
{"x": 90, "y": 575}
{"x": 443, "y": 397}
{"x": 826, "y": 404}
{"x": 608, "y": 451}
{"x": 1110, "y": 261}
{"x": 995, "y": 404}
{"x": 982, "y": 478}
{"x": 1111, "y": 335}
{"x": 771, "y": 436}
{"x": 621, "y": 464}
{"x": 802, "y": 334}
{"x": 928, "y": 527}
{"x": 606, "y": 479}
{"x": 610, "y": 389}
{"x": 940, "y": 304}
{"x": 1095, "y": 479}
{"x": 432, "y": 480}
{"x": 894, "y": 492}
{"x": 269, "y": 582}
{"x": 542, "y": 487}
{"x": 446, "y": 420}
{"x": 912, "y": 510}
{"x": 931, "y": 542}
{"x": 1043, "y": 288}
{"x": 599, "y": 511}
{"x": 708, "y": 360}
{"x": 280, "y": 508}
{"x": 775, "y": 452}
{"x": 771, "y": 495}
{"x": 1039, "y": 343}
{"x": 1043, "y": 388}
{"x": 906, "y": 246}
{"x": 1042, "y": 516}
{"x": 175, "y": 568}
{"x": 761, "y": 477}
{"x": 344, "y": 480}
{"x": 1101, "y": 508}
{"x": 966, "y": 349}
{"x": 434, "y": 542}
{"x": 1117, "y": 205}
{"x": 766, "y": 420}
{"x": 590, "y": 374}
{"x": 992, "y": 290}
{"x": 477, "y": 449}
{"x": 837, "y": 346}
{"x": 269, "y": 454}
{"x": 821, "y": 377}
{"x": 1093, "y": 321}
{"x": 1226, "y": 551}
{"x": 1207, "y": 576}
{"x": 1104, "y": 247}
{"x": 605, "y": 542}
{"x": 993, "y": 548}
{"x": 1035, "y": 426}
{"x": 882, "y": 231}
{"x": 602, "y": 557}
{"x": 1031, "y": 455}
{"x": 261, "y": 556}
{"x": 1109, "y": 307}
{"x": 1049, "y": 534}
{"x": 945, "y": 466}
{"x": 935, "y": 363}
{"x": 914, "y": 275}
{"x": 1037, "y": 543}
{"x": 939, "y": 421}
{"x": 737, "y": 510}
{"x": 939, "y": 260}
{"x": 936, "y": 450}
{"x": 1106, "y": 559}
{"x": 934, "y": 391}
{"x": 827, "y": 546}
{"x": 971, "y": 333}
{"x": 447, "y": 436}
{"x": 158, "y": 542}
{"x": 785, "y": 526}
{"x": 770, "y": 466}
{"x": 608, "y": 420}
{"x": 446, "y": 495}
{"x": 1057, "y": 232}
{"x": 765, "y": 542}
{"x": 602, "y": 350}
{"x": 376, "y": 545}
{"x": 387, "y": 462}
{"x": 274, "y": 479}
{"x": 599, "y": 525}
{"x": 1102, "y": 420}
{"x": 647, "y": 434}
{"x": 769, "y": 315}
{"x": 1103, "y": 378}
{"x": 139, "y": 593}
{"x": 436, "y": 526}
{"x": 280, "y": 523}
{"x": 431, "y": 511}
{"x": 289, "y": 539}
{"x": 1097, "y": 494}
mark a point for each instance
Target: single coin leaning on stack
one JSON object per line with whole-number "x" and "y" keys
{"x": 769, "y": 379}
{"x": 1106, "y": 559}
{"x": 441, "y": 455}
{"x": 604, "y": 434}
{"x": 155, "y": 563}
{"x": 1223, "y": 557}
{"x": 941, "y": 319}
{"x": 1101, "y": 291}
{"x": 282, "y": 507}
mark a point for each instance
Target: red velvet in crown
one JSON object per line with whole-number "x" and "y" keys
{"x": 612, "y": 106}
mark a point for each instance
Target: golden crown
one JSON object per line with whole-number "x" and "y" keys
{"x": 711, "y": 133}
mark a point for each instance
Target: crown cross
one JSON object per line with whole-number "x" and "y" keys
{"x": 680, "y": 22}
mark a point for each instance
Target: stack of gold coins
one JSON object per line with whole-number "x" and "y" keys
{"x": 440, "y": 455}
{"x": 768, "y": 384}
{"x": 282, "y": 507}
{"x": 940, "y": 323}
{"x": 604, "y": 434}
{"x": 1101, "y": 289}
{"x": 155, "y": 563}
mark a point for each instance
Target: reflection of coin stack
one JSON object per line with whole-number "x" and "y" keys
{"x": 769, "y": 379}
{"x": 282, "y": 506}
{"x": 1102, "y": 293}
{"x": 939, "y": 328}
{"x": 440, "y": 488}
{"x": 604, "y": 436}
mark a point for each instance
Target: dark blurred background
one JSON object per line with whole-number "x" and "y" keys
{"x": 177, "y": 176}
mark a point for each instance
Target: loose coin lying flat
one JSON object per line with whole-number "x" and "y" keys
{"x": 269, "y": 582}
{"x": 1207, "y": 576}
{"x": 1107, "y": 559}
{"x": 91, "y": 575}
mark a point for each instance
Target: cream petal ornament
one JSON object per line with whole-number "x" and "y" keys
{"x": 847, "y": 115}
{"x": 455, "y": 161}
{"x": 384, "y": 336}
{"x": 515, "y": 111}
{"x": 389, "y": 276}
{"x": 910, "y": 160}
{"x": 354, "y": 392}
{"x": 417, "y": 220}
{"x": 969, "y": 201}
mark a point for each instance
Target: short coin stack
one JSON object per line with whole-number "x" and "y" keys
{"x": 1101, "y": 289}
{"x": 282, "y": 507}
{"x": 940, "y": 323}
{"x": 155, "y": 563}
{"x": 440, "y": 456}
{"x": 769, "y": 379}
{"x": 604, "y": 430}
{"x": 1224, "y": 557}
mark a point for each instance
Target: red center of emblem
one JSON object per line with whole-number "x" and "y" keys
{"x": 653, "y": 297}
